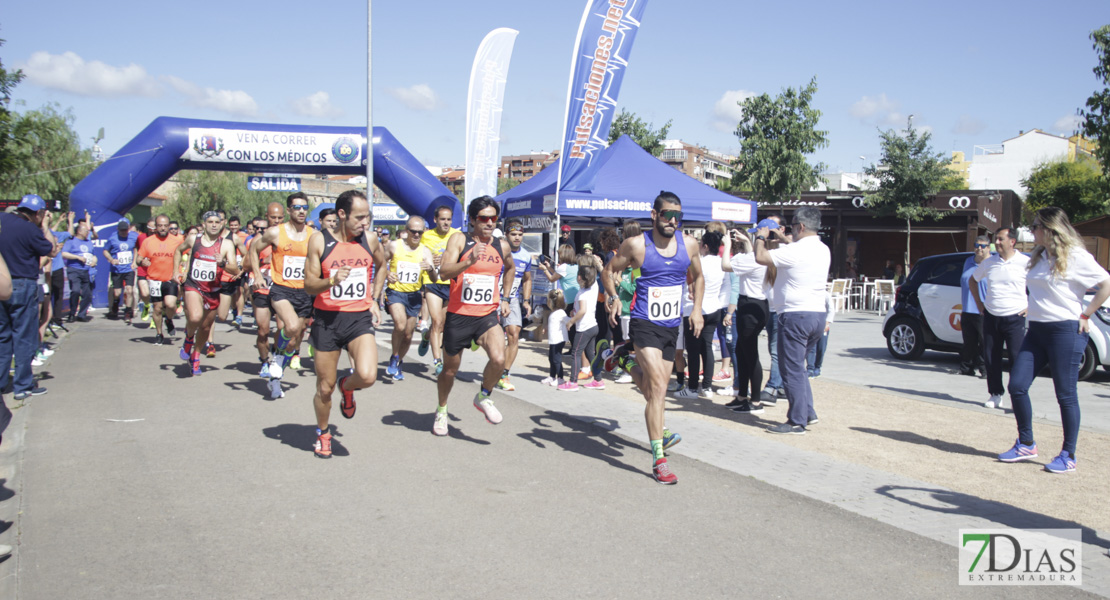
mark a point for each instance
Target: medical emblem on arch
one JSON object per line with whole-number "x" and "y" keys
{"x": 208, "y": 146}
{"x": 345, "y": 150}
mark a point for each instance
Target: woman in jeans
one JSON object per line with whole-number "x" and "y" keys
{"x": 1060, "y": 272}
{"x": 750, "y": 312}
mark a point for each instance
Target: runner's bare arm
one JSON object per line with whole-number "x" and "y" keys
{"x": 227, "y": 253}
{"x": 428, "y": 264}
{"x": 379, "y": 256}
{"x": 526, "y": 292}
{"x": 187, "y": 243}
{"x": 450, "y": 266}
{"x": 314, "y": 282}
{"x": 390, "y": 276}
{"x": 256, "y": 246}
{"x": 109, "y": 257}
{"x": 510, "y": 270}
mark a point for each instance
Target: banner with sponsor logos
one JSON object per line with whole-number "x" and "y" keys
{"x": 601, "y": 53}
{"x": 272, "y": 147}
{"x": 483, "y": 112}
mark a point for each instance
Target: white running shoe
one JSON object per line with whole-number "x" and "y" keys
{"x": 706, "y": 393}
{"x": 439, "y": 427}
{"x": 727, "y": 392}
{"x": 275, "y": 370}
{"x": 625, "y": 378}
{"x": 996, "y": 401}
{"x": 483, "y": 403}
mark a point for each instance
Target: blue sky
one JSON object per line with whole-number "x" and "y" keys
{"x": 971, "y": 72}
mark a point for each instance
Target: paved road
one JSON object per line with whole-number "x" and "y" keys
{"x": 130, "y": 479}
{"x": 858, "y": 335}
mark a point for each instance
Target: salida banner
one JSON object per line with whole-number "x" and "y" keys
{"x": 272, "y": 147}
{"x": 601, "y": 54}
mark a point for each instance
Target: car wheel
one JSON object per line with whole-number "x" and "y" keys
{"x": 1089, "y": 363}
{"x": 906, "y": 341}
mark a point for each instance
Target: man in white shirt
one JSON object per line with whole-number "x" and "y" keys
{"x": 1003, "y": 308}
{"x": 799, "y": 296}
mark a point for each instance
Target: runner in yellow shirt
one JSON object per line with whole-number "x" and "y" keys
{"x": 408, "y": 261}
{"x": 436, "y": 291}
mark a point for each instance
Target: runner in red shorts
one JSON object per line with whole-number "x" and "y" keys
{"x": 211, "y": 254}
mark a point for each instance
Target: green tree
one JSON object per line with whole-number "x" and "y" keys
{"x": 505, "y": 184}
{"x": 200, "y": 191}
{"x": 1096, "y": 118}
{"x": 8, "y": 81}
{"x": 1074, "y": 186}
{"x": 641, "y": 132}
{"x": 776, "y": 134}
{"x": 908, "y": 173}
{"x": 46, "y": 155}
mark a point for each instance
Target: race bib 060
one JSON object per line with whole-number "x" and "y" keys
{"x": 351, "y": 288}
{"x": 292, "y": 269}
{"x": 478, "y": 289}
{"x": 203, "y": 270}
{"x": 664, "y": 303}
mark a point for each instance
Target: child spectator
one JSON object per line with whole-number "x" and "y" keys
{"x": 556, "y": 337}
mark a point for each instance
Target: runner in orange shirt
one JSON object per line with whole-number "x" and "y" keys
{"x": 156, "y": 254}
{"x": 260, "y": 297}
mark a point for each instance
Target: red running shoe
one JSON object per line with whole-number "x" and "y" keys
{"x": 348, "y": 405}
{"x": 322, "y": 448}
{"x": 663, "y": 474}
{"x": 210, "y": 350}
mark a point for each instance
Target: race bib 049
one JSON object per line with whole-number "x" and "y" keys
{"x": 351, "y": 288}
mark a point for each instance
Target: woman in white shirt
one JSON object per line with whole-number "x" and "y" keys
{"x": 749, "y": 318}
{"x": 699, "y": 350}
{"x": 1060, "y": 272}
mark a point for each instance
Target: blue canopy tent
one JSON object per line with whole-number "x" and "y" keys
{"x": 628, "y": 180}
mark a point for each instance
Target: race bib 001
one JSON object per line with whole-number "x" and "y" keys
{"x": 477, "y": 289}
{"x": 203, "y": 271}
{"x": 292, "y": 269}
{"x": 351, "y": 288}
{"x": 408, "y": 272}
{"x": 664, "y": 303}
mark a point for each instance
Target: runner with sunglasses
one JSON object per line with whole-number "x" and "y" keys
{"x": 408, "y": 260}
{"x": 475, "y": 262}
{"x": 664, "y": 258}
{"x": 288, "y": 298}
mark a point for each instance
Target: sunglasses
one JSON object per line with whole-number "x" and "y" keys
{"x": 978, "y": 246}
{"x": 416, "y": 231}
{"x": 486, "y": 219}
{"x": 668, "y": 215}
{"x": 299, "y": 207}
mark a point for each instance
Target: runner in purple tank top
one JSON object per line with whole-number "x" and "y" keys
{"x": 666, "y": 260}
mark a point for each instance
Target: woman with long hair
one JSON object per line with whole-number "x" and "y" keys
{"x": 750, "y": 312}
{"x": 1060, "y": 272}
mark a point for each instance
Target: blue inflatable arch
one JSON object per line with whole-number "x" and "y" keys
{"x": 169, "y": 145}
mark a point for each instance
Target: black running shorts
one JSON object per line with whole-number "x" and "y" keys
{"x": 333, "y": 330}
{"x": 460, "y": 330}
{"x": 646, "y": 334}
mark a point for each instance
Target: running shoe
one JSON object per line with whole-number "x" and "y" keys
{"x": 706, "y": 393}
{"x": 1019, "y": 452}
{"x": 483, "y": 403}
{"x": 37, "y": 361}
{"x": 158, "y": 340}
{"x": 625, "y": 378}
{"x": 275, "y": 369}
{"x": 594, "y": 384}
{"x": 674, "y": 386}
{"x": 662, "y": 473}
{"x": 348, "y": 405}
{"x": 311, "y": 351}
{"x": 152, "y": 325}
{"x": 184, "y": 351}
{"x": 210, "y": 350}
{"x": 422, "y": 326}
{"x": 787, "y": 429}
{"x": 627, "y": 363}
{"x": 547, "y": 381}
{"x": 322, "y": 449}
{"x": 239, "y": 321}
{"x": 770, "y": 396}
{"x": 812, "y": 421}
{"x": 670, "y": 439}
{"x": 425, "y": 344}
{"x": 170, "y": 329}
{"x": 722, "y": 375}
{"x": 400, "y": 376}
{"x": 601, "y": 350}
{"x": 265, "y": 372}
{"x": 128, "y": 315}
{"x": 727, "y": 392}
{"x": 746, "y": 407}
{"x": 505, "y": 384}
{"x": 438, "y": 368}
{"x": 391, "y": 370}
{"x": 994, "y": 402}
{"x": 585, "y": 373}
{"x": 568, "y": 386}
{"x": 295, "y": 363}
{"x": 473, "y": 345}
{"x": 47, "y": 351}
{"x": 612, "y": 360}
{"x": 439, "y": 426}
{"x": 1061, "y": 464}
{"x": 275, "y": 389}
{"x": 738, "y": 401}
{"x": 144, "y": 312}
{"x": 686, "y": 394}
{"x": 195, "y": 364}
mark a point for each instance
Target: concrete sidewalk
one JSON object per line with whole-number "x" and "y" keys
{"x": 137, "y": 480}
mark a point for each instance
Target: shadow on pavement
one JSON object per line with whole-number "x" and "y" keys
{"x": 247, "y": 368}
{"x": 956, "y": 503}
{"x": 422, "y": 422}
{"x": 5, "y": 493}
{"x": 913, "y": 438}
{"x": 303, "y": 437}
{"x": 182, "y": 369}
{"x": 936, "y": 395}
{"x": 584, "y": 438}
{"x": 259, "y": 386}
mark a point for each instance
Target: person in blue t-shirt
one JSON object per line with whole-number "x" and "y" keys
{"x": 120, "y": 251}
{"x": 971, "y": 322}
{"x": 520, "y": 302}
{"x": 79, "y": 258}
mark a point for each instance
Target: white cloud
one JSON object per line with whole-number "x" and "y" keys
{"x": 418, "y": 97}
{"x": 1067, "y": 124}
{"x": 71, "y": 73}
{"x": 727, "y": 111}
{"x": 878, "y": 110}
{"x": 968, "y": 125}
{"x": 317, "y": 105}
{"x": 234, "y": 102}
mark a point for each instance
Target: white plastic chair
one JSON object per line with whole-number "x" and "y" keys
{"x": 884, "y": 294}
{"x": 839, "y": 294}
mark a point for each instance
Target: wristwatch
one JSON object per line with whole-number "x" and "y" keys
{"x": 761, "y": 237}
